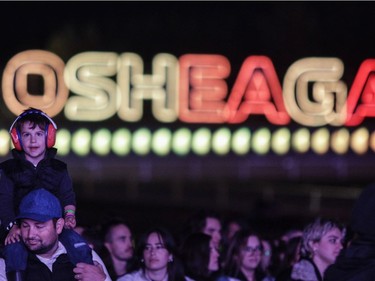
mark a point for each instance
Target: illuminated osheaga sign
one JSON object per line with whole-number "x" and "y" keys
{"x": 192, "y": 88}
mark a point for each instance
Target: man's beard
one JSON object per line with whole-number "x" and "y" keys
{"x": 43, "y": 249}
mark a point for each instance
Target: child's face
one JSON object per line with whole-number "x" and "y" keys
{"x": 33, "y": 142}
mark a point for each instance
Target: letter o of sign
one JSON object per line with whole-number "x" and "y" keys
{"x": 35, "y": 62}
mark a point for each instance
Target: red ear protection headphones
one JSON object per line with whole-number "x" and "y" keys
{"x": 50, "y": 129}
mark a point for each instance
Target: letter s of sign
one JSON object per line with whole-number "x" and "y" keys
{"x": 89, "y": 76}
{"x": 34, "y": 62}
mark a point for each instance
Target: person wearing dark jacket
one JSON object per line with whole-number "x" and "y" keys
{"x": 47, "y": 259}
{"x": 357, "y": 261}
{"x": 33, "y": 165}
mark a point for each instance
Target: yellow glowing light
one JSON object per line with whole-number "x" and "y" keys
{"x": 101, "y": 142}
{"x": 241, "y": 140}
{"x": 81, "y": 142}
{"x": 181, "y": 141}
{"x": 141, "y": 142}
{"x": 360, "y": 140}
{"x": 261, "y": 141}
{"x": 201, "y": 141}
{"x": 221, "y": 141}
{"x": 301, "y": 140}
{"x": 320, "y": 141}
{"x": 340, "y": 141}
{"x": 4, "y": 142}
{"x": 121, "y": 142}
{"x": 281, "y": 141}
{"x": 63, "y": 138}
{"x": 161, "y": 141}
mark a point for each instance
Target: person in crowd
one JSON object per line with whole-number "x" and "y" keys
{"x": 290, "y": 256}
{"x": 118, "y": 251}
{"x": 322, "y": 241}
{"x": 207, "y": 222}
{"x": 158, "y": 258}
{"x": 357, "y": 261}
{"x": 200, "y": 257}
{"x": 3, "y": 276}
{"x": 267, "y": 256}
{"x": 243, "y": 258}
{"x": 92, "y": 237}
{"x": 231, "y": 227}
{"x": 33, "y": 165}
{"x": 40, "y": 220}
{"x": 290, "y": 234}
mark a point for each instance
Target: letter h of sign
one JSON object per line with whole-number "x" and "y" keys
{"x": 161, "y": 87}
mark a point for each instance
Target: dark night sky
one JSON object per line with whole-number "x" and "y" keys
{"x": 284, "y": 31}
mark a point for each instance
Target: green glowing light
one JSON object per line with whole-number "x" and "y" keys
{"x": 221, "y": 141}
{"x": 121, "y": 142}
{"x": 141, "y": 142}
{"x": 241, "y": 141}
{"x": 281, "y": 141}
{"x": 201, "y": 141}
{"x": 161, "y": 142}
{"x": 181, "y": 141}
{"x": 261, "y": 141}
{"x": 63, "y": 138}
{"x": 81, "y": 142}
{"x": 101, "y": 142}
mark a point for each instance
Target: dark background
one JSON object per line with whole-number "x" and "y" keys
{"x": 273, "y": 192}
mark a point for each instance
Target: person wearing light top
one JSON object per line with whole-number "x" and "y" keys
{"x": 40, "y": 221}
{"x": 158, "y": 262}
{"x": 3, "y": 276}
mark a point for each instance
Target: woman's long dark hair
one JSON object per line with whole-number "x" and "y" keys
{"x": 232, "y": 262}
{"x": 175, "y": 269}
{"x": 195, "y": 254}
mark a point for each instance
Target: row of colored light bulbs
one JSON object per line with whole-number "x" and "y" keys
{"x": 221, "y": 141}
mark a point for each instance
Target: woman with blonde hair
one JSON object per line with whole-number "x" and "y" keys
{"x": 322, "y": 242}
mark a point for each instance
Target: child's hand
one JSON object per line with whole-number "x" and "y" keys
{"x": 70, "y": 221}
{"x": 14, "y": 235}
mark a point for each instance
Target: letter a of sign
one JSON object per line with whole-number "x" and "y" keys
{"x": 257, "y": 90}
{"x": 363, "y": 87}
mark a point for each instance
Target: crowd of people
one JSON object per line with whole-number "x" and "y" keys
{"x": 40, "y": 238}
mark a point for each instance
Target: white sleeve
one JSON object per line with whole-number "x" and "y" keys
{"x": 3, "y": 276}
{"x": 96, "y": 257}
